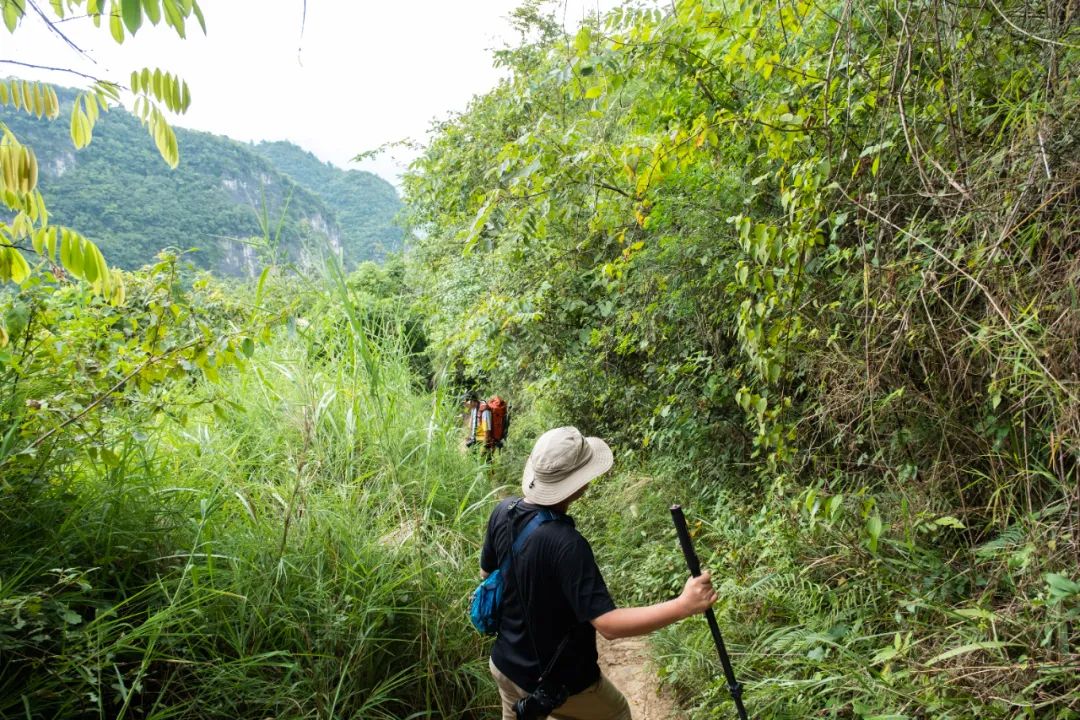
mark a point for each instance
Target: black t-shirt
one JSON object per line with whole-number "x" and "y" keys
{"x": 556, "y": 573}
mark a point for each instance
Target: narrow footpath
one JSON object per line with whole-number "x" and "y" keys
{"x": 626, "y": 663}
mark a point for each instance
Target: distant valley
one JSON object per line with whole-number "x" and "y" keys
{"x": 222, "y": 201}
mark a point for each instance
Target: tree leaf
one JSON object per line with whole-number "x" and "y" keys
{"x": 12, "y": 12}
{"x": 152, "y": 8}
{"x": 131, "y": 10}
{"x": 116, "y": 25}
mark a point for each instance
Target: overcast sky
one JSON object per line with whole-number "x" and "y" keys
{"x": 360, "y": 75}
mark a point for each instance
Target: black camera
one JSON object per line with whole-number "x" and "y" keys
{"x": 540, "y": 703}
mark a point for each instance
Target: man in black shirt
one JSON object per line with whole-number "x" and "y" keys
{"x": 554, "y": 596}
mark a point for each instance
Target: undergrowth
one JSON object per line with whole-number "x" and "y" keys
{"x": 296, "y": 539}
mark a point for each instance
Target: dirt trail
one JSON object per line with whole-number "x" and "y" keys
{"x": 626, "y": 663}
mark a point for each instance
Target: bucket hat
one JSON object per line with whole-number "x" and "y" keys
{"x": 562, "y": 462}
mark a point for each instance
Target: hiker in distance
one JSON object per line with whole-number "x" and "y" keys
{"x": 486, "y": 422}
{"x": 554, "y": 598}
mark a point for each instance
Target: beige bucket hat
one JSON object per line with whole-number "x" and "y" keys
{"x": 562, "y": 462}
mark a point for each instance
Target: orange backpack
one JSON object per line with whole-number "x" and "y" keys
{"x": 500, "y": 421}
{"x": 489, "y": 423}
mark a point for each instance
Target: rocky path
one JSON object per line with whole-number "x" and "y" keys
{"x": 626, "y": 663}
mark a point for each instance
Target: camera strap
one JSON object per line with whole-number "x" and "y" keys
{"x": 555, "y": 658}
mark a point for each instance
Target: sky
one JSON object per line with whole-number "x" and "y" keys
{"x": 349, "y": 77}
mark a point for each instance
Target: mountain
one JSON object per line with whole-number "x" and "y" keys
{"x": 365, "y": 204}
{"x": 120, "y": 193}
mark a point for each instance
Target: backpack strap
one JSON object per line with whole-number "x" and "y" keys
{"x": 542, "y": 516}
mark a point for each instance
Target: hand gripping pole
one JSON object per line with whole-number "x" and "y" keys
{"x": 695, "y": 569}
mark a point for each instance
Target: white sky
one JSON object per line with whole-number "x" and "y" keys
{"x": 362, "y": 74}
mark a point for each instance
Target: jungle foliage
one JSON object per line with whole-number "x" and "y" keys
{"x": 816, "y": 265}
{"x": 231, "y": 501}
{"x": 811, "y": 267}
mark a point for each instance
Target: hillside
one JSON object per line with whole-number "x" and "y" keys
{"x": 365, "y": 204}
{"x": 118, "y": 192}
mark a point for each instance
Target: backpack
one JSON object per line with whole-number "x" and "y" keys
{"x": 489, "y": 423}
{"x": 485, "y": 609}
{"x": 500, "y": 421}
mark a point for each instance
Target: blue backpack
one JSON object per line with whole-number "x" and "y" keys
{"x": 486, "y": 607}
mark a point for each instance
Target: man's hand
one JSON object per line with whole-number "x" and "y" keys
{"x": 697, "y": 595}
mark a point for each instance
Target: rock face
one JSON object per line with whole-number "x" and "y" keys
{"x": 231, "y": 206}
{"x": 365, "y": 204}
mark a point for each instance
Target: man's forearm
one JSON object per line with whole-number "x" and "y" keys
{"x": 629, "y": 622}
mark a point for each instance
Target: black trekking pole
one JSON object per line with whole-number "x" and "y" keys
{"x": 695, "y": 570}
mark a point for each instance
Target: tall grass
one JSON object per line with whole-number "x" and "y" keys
{"x": 301, "y": 545}
{"x": 821, "y": 621}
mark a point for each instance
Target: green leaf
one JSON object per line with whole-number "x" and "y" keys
{"x": 582, "y": 40}
{"x": 12, "y": 13}
{"x": 152, "y": 8}
{"x": 173, "y": 17}
{"x": 13, "y": 265}
{"x": 78, "y": 135}
{"x": 976, "y": 613}
{"x": 969, "y": 648}
{"x": 109, "y": 457}
{"x": 199, "y": 16}
{"x": 884, "y": 655}
{"x": 873, "y": 530}
{"x": 132, "y": 14}
{"x": 116, "y": 26}
{"x": 873, "y": 149}
{"x": 833, "y": 506}
{"x": 1061, "y": 587}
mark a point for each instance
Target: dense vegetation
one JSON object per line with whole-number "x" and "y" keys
{"x": 812, "y": 269}
{"x": 816, "y": 266}
{"x": 219, "y": 200}
{"x": 230, "y": 502}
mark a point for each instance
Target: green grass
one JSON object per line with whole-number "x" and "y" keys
{"x": 301, "y": 547}
{"x": 821, "y": 624}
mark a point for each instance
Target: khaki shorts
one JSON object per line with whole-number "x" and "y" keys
{"x": 602, "y": 701}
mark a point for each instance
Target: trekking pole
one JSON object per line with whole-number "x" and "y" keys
{"x": 695, "y": 569}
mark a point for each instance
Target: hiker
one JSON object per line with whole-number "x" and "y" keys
{"x": 488, "y": 422}
{"x": 554, "y": 597}
{"x": 474, "y": 430}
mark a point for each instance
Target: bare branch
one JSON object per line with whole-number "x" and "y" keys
{"x": 51, "y": 69}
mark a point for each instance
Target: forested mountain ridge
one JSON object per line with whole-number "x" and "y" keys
{"x": 365, "y": 203}
{"x": 119, "y": 193}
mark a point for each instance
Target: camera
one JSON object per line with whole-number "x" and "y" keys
{"x": 540, "y": 703}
